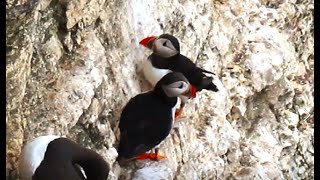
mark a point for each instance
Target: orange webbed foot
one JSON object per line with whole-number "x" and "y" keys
{"x": 178, "y": 113}
{"x": 151, "y": 156}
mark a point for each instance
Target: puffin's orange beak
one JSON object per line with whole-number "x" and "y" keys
{"x": 191, "y": 92}
{"x": 145, "y": 41}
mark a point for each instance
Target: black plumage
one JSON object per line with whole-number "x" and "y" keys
{"x": 147, "y": 119}
{"x": 180, "y": 63}
{"x": 61, "y": 161}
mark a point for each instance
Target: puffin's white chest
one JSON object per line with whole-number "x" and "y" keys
{"x": 173, "y": 111}
{"x": 152, "y": 74}
{"x": 32, "y": 155}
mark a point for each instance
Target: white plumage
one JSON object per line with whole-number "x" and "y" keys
{"x": 32, "y": 155}
{"x": 152, "y": 74}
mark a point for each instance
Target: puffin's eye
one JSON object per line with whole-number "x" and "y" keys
{"x": 181, "y": 86}
{"x": 165, "y": 43}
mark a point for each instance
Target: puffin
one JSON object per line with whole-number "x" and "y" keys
{"x": 147, "y": 118}
{"x": 166, "y": 58}
{"x": 52, "y": 157}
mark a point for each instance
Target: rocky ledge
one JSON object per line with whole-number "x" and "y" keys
{"x": 72, "y": 66}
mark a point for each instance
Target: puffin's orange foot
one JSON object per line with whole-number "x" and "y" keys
{"x": 151, "y": 156}
{"x": 178, "y": 113}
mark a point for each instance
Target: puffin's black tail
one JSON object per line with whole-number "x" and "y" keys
{"x": 205, "y": 71}
{"x": 208, "y": 84}
{"x": 212, "y": 87}
{"x": 121, "y": 151}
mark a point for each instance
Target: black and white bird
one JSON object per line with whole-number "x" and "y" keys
{"x": 146, "y": 120}
{"x": 57, "y": 158}
{"x": 166, "y": 58}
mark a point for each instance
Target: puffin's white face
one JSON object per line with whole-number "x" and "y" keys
{"x": 164, "y": 48}
{"x": 177, "y": 88}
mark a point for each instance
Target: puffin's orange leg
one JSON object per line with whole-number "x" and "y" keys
{"x": 157, "y": 156}
{"x": 143, "y": 156}
{"x": 179, "y": 111}
{"x": 152, "y": 156}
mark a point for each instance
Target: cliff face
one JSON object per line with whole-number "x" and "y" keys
{"x": 72, "y": 66}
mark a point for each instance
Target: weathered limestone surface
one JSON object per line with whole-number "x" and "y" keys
{"x": 73, "y": 64}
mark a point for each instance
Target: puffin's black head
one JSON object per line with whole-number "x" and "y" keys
{"x": 175, "y": 84}
{"x": 172, "y": 39}
{"x": 44, "y": 157}
{"x": 165, "y": 45}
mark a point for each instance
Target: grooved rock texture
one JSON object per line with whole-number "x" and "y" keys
{"x": 72, "y": 66}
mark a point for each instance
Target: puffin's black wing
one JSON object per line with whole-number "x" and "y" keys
{"x": 194, "y": 74}
{"x": 60, "y": 161}
{"x": 145, "y": 121}
{"x": 184, "y": 62}
{"x": 180, "y": 63}
{"x": 59, "y": 171}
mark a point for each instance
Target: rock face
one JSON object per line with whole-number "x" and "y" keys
{"x": 72, "y": 66}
